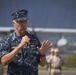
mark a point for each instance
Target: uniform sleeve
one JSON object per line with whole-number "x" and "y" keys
{"x": 4, "y": 47}
{"x": 39, "y": 43}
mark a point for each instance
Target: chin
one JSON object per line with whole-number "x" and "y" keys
{"x": 22, "y": 31}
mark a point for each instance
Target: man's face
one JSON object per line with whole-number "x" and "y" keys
{"x": 52, "y": 52}
{"x": 21, "y": 26}
{"x": 56, "y": 53}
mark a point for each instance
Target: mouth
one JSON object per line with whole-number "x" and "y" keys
{"x": 23, "y": 28}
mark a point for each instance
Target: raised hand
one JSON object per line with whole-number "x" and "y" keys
{"x": 46, "y": 45}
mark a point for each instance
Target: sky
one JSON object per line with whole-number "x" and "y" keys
{"x": 41, "y": 13}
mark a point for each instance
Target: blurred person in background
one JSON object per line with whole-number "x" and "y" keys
{"x": 49, "y": 58}
{"x": 56, "y": 63}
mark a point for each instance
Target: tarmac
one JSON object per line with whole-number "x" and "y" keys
{"x": 64, "y": 72}
{"x": 1, "y": 69}
{"x": 45, "y": 72}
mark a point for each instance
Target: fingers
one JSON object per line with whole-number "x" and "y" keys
{"x": 51, "y": 44}
{"x": 26, "y": 38}
{"x": 47, "y": 44}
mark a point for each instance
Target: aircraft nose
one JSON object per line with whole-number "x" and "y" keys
{"x": 62, "y": 42}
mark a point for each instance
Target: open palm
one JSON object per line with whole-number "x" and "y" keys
{"x": 44, "y": 47}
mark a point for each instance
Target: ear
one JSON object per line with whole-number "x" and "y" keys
{"x": 13, "y": 23}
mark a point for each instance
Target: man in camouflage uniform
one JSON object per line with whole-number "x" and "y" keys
{"x": 1, "y": 68}
{"x": 56, "y": 63}
{"x": 21, "y": 50}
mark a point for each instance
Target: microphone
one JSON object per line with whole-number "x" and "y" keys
{"x": 32, "y": 43}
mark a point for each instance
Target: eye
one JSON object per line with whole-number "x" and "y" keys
{"x": 23, "y": 21}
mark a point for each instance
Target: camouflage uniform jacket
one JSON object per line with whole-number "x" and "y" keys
{"x": 26, "y": 60}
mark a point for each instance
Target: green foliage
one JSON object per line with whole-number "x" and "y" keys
{"x": 70, "y": 61}
{"x": 45, "y": 67}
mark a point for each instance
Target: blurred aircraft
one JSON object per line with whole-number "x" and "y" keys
{"x": 60, "y": 43}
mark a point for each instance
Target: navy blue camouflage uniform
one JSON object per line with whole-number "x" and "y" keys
{"x": 26, "y": 60}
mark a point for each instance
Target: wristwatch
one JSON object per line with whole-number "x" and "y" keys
{"x": 43, "y": 55}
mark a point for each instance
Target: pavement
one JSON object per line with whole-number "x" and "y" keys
{"x": 41, "y": 71}
{"x": 1, "y": 69}
{"x": 64, "y": 72}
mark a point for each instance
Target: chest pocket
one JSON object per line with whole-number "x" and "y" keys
{"x": 14, "y": 44}
{"x": 33, "y": 43}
